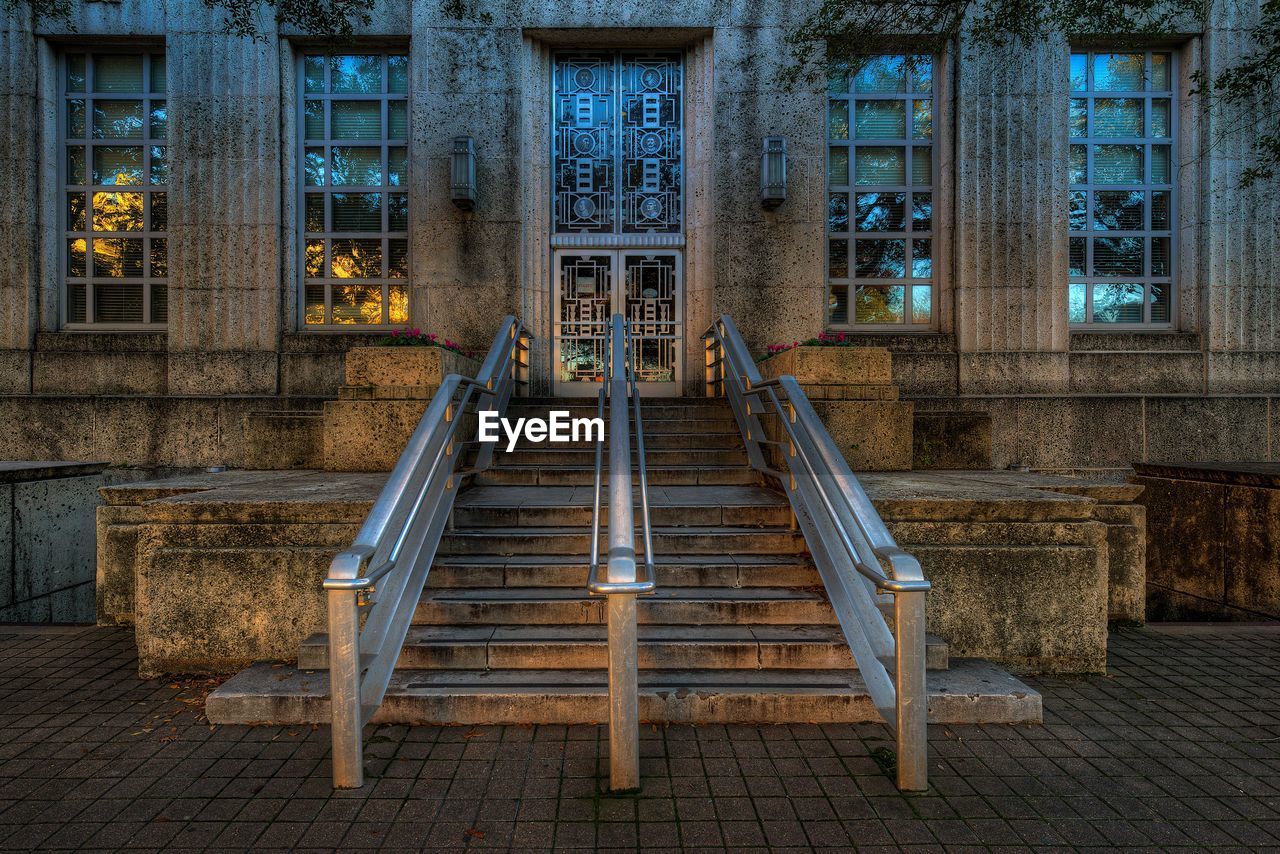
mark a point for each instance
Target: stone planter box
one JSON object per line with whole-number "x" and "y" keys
{"x": 405, "y": 366}
{"x": 852, "y": 391}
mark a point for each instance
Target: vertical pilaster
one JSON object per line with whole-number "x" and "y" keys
{"x": 20, "y": 141}
{"x": 225, "y": 207}
{"x": 535, "y": 196}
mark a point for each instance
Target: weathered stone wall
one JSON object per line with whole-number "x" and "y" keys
{"x": 1001, "y": 190}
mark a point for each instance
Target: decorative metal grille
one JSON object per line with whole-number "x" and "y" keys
{"x": 1122, "y": 215}
{"x": 617, "y": 143}
{"x": 586, "y": 289}
{"x": 652, "y": 306}
{"x": 114, "y": 126}
{"x": 880, "y": 164}
{"x": 354, "y": 127}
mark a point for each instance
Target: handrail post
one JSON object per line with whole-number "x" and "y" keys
{"x": 913, "y": 698}
{"x": 344, "y": 686}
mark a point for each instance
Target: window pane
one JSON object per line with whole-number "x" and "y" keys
{"x": 1160, "y": 210}
{"x": 75, "y": 119}
{"x": 1117, "y": 256}
{"x": 1118, "y": 72}
{"x": 1077, "y": 168}
{"x": 838, "y": 258}
{"x": 117, "y": 257}
{"x": 921, "y": 211}
{"x": 1160, "y": 164}
{"x": 1117, "y": 303}
{"x": 397, "y": 171}
{"x": 355, "y": 74}
{"x": 922, "y": 120}
{"x": 313, "y": 167}
{"x": 357, "y": 212}
{"x": 1075, "y": 257}
{"x": 313, "y": 74}
{"x": 75, "y": 72}
{"x": 1160, "y": 124}
{"x": 313, "y": 119}
{"x": 838, "y": 304}
{"x": 159, "y": 120}
{"x": 356, "y": 167}
{"x": 1078, "y": 117}
{"x": 1077, "y": 203}
{"x": 921, "y": 71}
{"x": 117, "y": 120}
{"x": 397, "y": 212}
{"x": 159, "y": 303}
{"x": 159, "y": 257}
{"x": 881, "y": 211}
{"x": 880, "y": 165}
{"x": 838, "y": 120}
{"x": 837, "y": 78}
{"x": 75, "y": 165}
{"x": 120, "y": 303}
{"x": 1117, "y": 164}
{"x": 1079, "y": 72}
{"x": 355, "y": 119}
{"x": 1117, "y": 117}
{"x": 1119, "y": 210}
{"x": 1160, "y": 256}
{"x": 881, "y": 259}
{"x": 117, "y": 212}
{"x": 159, "y": 212}
{"x": 881, "y": 74}
{"x": 879, "y": 303}
{"x": 398, "y": 304}
{"x": 1160, "y": 76}
{"x": 313, "y": 214}
{"x": 314, "y": 261}
{"x": 921, "y": 303}
{"x": 397, "y": 120}
{"x": 838, "y": 212}
{"x": 357, "y": 304}
{"x": 76, "y": 265}
{"x": 75, "y": 302}
{"x": 1075, "y": 302}
{"x": 158, "y": 73}
{"x": 1160, "y": 303}
{"x": 117, "y": 165}
{"x": 881, "y": 120}
{"x": 313, "y": 306}
{"x": 117, "y": 73}
{"x": 398, "y": 74}
{"x": 922, "y": 259}
{"x": 398, "y": 258}
{"x": 838, "y": 166}
{"x": 356, "y": 259}
{"x": 159, "y": 165}
{"x": 922, "y": 166}
{"x": 75, "y": 212}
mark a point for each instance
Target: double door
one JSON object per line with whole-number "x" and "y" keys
{"x": 643, "y": 285}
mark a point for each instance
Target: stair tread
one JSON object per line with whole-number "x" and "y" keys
{"x": 727, "y": 559}
{"x": 570, "y": 594}
{"x": 583, "y": 496}
{"x": 972, "y": 690}
{"x": 597, "y": 633}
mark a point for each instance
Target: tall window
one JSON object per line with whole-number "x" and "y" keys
{"x": 1122, "y": 195}
{"x": 115, "y": 176}
{"x": 355, "y": 208}
{"x": 880, "y": 165}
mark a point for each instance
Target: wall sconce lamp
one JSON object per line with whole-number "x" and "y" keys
{"x": 773, "y": 172}
{"x": 462, "y": 173}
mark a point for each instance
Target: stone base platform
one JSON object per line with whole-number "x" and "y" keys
{"x": 217, "y": 571}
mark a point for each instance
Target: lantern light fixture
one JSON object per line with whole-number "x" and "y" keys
{"x": 773, "y": 172}
{"x": 462, "y": 173}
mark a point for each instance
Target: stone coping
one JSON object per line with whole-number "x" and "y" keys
{"x": 19, "y": 471}
{"x": 259, "y": 496}
{"x": 1266, "y": 475}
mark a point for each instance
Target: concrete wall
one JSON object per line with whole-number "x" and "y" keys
{"x": 1001, "y": 217}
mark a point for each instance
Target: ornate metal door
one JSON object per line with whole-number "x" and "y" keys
{"x": 617, "y": 213}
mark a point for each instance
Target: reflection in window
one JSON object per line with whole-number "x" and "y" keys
{"x": 115, "y": 215}
{"x": 1120, "y": 121}
{"x": 354, "y": 115}
{"x": 880, "y": 123}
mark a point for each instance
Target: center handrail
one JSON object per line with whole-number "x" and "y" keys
{"x": 844, "y": 532}
{"x": 381, "y": 575}
{"x": 623, "y": 581}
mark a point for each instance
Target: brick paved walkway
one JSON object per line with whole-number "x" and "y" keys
{"x": 1178, "y": 746}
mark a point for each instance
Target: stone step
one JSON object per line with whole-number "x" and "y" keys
{"x": 558, "y": 456}
{"x": 969, "y": 692}
{"x": 666, "y": 540}
{"x": 451, "y": 571}
{"x": 585, "y": 647}
{"x": 574, "y": 606}
{"x": 650, "y": 410}
{"x": 673, "y": 506}
{"x": 577, "y": 475}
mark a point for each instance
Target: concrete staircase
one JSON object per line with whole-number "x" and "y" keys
{"x": 739, "y": 630}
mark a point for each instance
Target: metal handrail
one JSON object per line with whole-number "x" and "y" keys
{"x": 858, "y": 559}
{"x": 623, "y": 581}
{"x": 381, "y": 575}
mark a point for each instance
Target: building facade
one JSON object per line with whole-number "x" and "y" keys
{"x": 200, "y": 225}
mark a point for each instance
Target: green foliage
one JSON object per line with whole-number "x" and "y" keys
{"x": 845, "y": 32}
